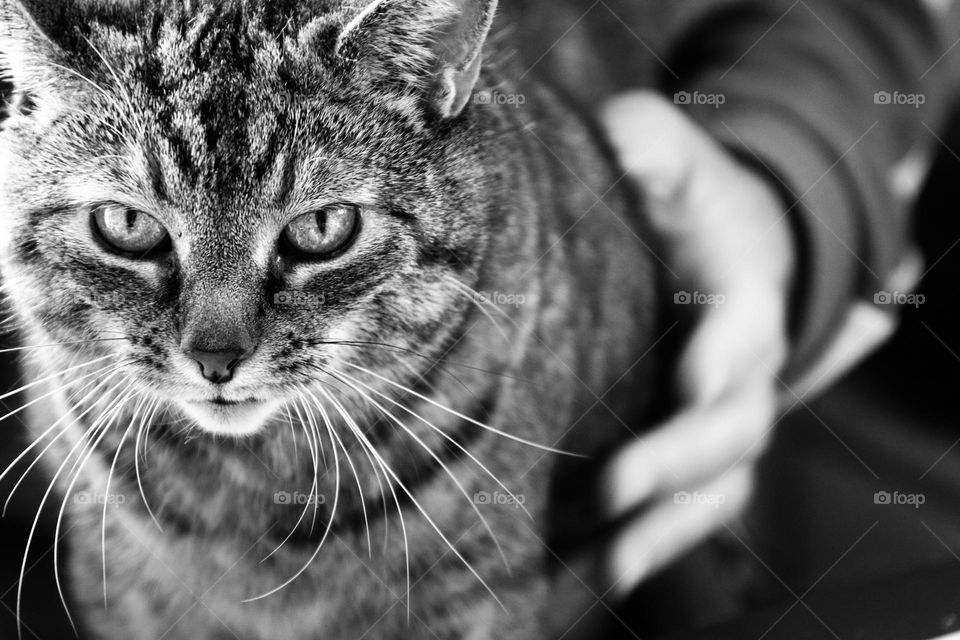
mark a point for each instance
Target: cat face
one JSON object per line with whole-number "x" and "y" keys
{"x": 232, "y": 201}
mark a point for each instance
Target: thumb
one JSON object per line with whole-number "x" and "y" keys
{"x": 656, "y": 142}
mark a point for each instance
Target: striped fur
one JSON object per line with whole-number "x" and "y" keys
{"x": 224, "y": 120}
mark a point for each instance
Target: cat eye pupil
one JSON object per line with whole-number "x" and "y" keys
{"x": 322, "y": 221}
{"x": 323, "y": 233}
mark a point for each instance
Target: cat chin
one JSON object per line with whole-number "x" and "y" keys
{"x": 244, "y": 419}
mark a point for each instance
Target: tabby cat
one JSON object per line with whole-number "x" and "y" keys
{"x": 329, "y": 305}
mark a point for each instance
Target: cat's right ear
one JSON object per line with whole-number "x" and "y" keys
{"x": 31, "y": 58}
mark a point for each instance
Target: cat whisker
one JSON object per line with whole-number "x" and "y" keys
{"x": 293, "y": 435}
{"x": 51, "y": 377}
{"x": 354, "y": 429}
{"x": 106, "y": 491}
{"x": 39, "y": 510}
{"x": 486, "y": 427}
{"x": 436, "y": 458}
{"x": 311, "y": 418}
{"x": 312, "y": 433}
{"x": 373, "y": 465}
{"x": 319, "y": 441}
{"x": 439, "y": 431}
{"x": 108, "y": 371}
{"x": 420, "y": 375}
{"x": 346, "y": 453}
{"x": 122, "y": 88}
{"x": 36, "y": 440}
{"x": 310, "y": 430}
{"x": 96, "y": 433}
{"x": 57, "y": 344}
{"x": 111, "y": 99}
{"x": 56, "y": 557}
{"x": 120, "y": 85}
{"x": 436, "y": 361}
{"x": 144, "y": 431}
{"x": 476, "y": 299}
{"x": 436, "y": 528}
{"x": 387, "y": 471}
{"x": 326, "y": 533}
{"x": 41, "y": 437}
{"x": 321, "y": 450}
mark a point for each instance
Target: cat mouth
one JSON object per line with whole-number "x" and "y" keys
{"x": 220, "y": 401}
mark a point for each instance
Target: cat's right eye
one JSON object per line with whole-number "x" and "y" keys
{"x": 129, "y": 231}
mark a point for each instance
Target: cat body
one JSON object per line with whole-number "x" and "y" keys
{"x": 375, "y": 466}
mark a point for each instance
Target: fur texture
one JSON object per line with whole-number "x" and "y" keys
{"x": 394, "y": 397}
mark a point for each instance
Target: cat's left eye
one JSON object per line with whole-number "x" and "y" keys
{"x": 324, "y": 233}
{"x": 130, "y": 231}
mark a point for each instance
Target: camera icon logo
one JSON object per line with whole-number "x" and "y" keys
{"x": 883, "y": 97}
{"x": 682, "y": 98}
{"x": 683, "y": 297}
{"x": 483, "y": 97}
{"x": 882, "y": 497}
{"x": 883, "y": 297}
{"x": 111, "y": 299}
{"x": 281, "y": 497}
{"x": 481, "y": 497}
{"x": 682, "y": 497}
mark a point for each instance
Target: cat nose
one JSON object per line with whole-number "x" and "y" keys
{"x": 219, "y": 329}
{"x": 218, "y": 366}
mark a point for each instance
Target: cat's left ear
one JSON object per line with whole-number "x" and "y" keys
{"x": 433, "y": 47}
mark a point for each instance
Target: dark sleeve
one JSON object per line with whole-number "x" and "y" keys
{"x": 837, "y": 100}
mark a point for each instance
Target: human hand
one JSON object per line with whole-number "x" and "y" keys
{"x": 726, "y": 235}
